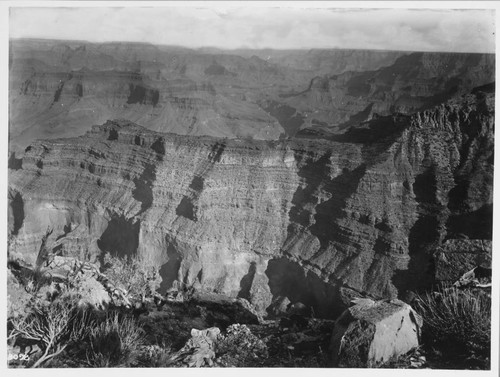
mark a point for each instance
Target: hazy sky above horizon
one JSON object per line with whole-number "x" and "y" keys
{"x": 282, "y": 27}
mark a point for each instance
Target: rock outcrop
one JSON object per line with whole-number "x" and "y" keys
{"x": 372, "y": 332}
{"x": 199, "y": 351}
{"x": 458, "y": 256}
{"x": 313, "y": 220}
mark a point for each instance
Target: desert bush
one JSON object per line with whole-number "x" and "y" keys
{"x": 156, "y": 356}
{"x": 457, "y": 322}
{"x": 48, "y": 326}
{"x": 240, "y": 346}
{"x": 138, "y": 279}
{"x": 64, "y": 317}
{"x": 114, "y": 341}
{"x": 51, "y": 316}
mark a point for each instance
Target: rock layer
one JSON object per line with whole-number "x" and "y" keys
{"x": 316, "y": 221}
{"x": 414, "y": 82}
{"x": 60, "y": 88}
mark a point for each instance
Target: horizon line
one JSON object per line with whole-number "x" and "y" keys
{"x": 243, "y": 47}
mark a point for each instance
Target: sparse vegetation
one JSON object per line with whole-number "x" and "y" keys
{"x": 156, "y": 356}
{"x": 239, "y": 346}
{"x": 114, "y": 341}
{"x": 64, "y": 332}
{"x": 132, "y": 275}
{"x": 65, "y": 314}
{"x": 457, "y": 325}
{"x": 49, "y": 327}
{"x": 71, "y": 319}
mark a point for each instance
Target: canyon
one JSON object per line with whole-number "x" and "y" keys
{"x": 299, "y": 176}
{"x": 319, "y": 218}
{"x": 62, "y": 88}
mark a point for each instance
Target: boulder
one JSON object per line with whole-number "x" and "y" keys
{"x": 199, "y": 351}
{"x": 369, "y": 333}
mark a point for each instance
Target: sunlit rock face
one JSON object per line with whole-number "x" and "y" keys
{"x": 370, "y": 333}
{"x": 315, "y": 220}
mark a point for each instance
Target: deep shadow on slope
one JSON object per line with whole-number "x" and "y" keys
{"x": 424, "y": 236}
{"x": 309, "y": 216}
{"x": 17, "y": 207}
{"x": 289, "y": 279}
{"x": 376, "y": 136}
{"x": 188, "y": 205}
{"x": 246, "y": 282}
{"x": 322, "y": 223}
{"x": 474, "y": 225}
{"x": 121, "y": 237}
{"x": 288, "y": 117}
{"x": 143, "y": 187}
{"x": 170, "y": 270}
{"x": 15, "y": 163}
{"x": 328, "y": 212}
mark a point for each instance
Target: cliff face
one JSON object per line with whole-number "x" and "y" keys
{"x": 59, "y": 89}
{"x": 414, "y": 82}
{"x": 62, "y": 103}
{"x": 313, "y": 220}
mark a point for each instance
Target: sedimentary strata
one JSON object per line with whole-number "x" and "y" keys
{"x": 315, "y": 220}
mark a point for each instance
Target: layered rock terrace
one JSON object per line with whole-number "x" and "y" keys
{"x": 315, "y": 220}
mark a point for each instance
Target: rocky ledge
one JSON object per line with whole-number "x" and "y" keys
{"x": 316, "y": 221}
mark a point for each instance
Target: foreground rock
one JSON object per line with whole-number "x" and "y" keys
{"x": 199, "y": 351}
{"x": 372, "y": 332}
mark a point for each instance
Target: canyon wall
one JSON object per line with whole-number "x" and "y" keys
{"x": 414, "y": 82}
{"x": 61, "y": 88}
{"x": 312, "y": 219}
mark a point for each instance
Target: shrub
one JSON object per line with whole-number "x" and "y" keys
{"x": 114, "y": 341}
{"x": 457, "y": 322}
{"x": 156, "y": 356}
{"x": 62, "y": 316}
{"x": 49, "y": 326}
{"x": 53, "y": 318}
{"x": 239, "y": 346}
{"x": 138, "y": 279}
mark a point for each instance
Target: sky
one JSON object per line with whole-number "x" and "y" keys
{"x": 258, "y": 25}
